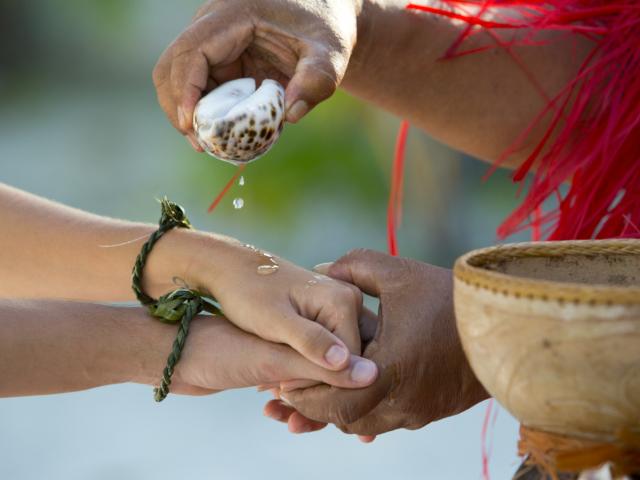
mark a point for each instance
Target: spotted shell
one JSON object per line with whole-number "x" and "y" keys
{"x": 238, "y": 123}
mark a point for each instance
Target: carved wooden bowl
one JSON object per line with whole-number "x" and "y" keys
{"x": 552, "y": 330}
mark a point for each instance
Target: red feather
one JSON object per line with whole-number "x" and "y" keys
{"x": 394, "y": 208}
{"x": 593, "y": 144}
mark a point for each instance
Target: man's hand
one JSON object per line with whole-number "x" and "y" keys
{"x": 303, "y": 44}
{"x": 424, "y": 374}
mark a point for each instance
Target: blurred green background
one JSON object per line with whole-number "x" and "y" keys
{"x": 79, "y": 123}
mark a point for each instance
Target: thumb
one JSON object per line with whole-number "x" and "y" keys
{"x": 316, "y": 78}
{"x": 368, "y": 270}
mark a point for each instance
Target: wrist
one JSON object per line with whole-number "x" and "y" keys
{"x": 140, "y": 346}
{"x": 185, "y": 258}
{"x": 365, "y": 18}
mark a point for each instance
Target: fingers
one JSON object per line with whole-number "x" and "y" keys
{"x": 278, "y": 411}
{"x": 378, "y": 421}
{"x": 368, "y": 328}
{"x": 339, "y": 312}
{"x": 182, "y": 73}
{"x": 368, "y": 325}
{"x": 335, "y": 307}
{"x": 359, "y": 374}
{"x": 341, "y": 407}
{"x": 316, "y": 343}
{"x": 300, "y": 424}
{"x": 368, "y": 270}
{"x": 316, "y": 78}
{"x": 272, "y": 362}
{"x": 291, "y": 385}
{"x": 323, "y": 268}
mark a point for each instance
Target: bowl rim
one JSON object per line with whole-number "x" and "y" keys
{"x": 468, "y": 269}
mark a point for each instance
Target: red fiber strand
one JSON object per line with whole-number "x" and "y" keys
{"x": 536, "y": 231}
{"x": 394, "y": 208}
{"x": 483, "y": 441}
{"x": 228, "y": 186}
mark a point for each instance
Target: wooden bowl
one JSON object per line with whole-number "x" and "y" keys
{"x": 552, "y": 330}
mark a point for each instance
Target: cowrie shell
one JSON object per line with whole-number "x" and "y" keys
{"x": 238, "y": 123}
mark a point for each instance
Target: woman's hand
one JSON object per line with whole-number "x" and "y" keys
{"x": 304, "y": 44}
{"x": 218, "y": 356}
{"x": 312, "y": 313}
{"x": 54, "y": 346}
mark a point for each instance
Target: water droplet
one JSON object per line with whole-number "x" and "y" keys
{"x": 241, "y": 181}
{"x": 238, "y": 203}
{"x": 268, "y": 269}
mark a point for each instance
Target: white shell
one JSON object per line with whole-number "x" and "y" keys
{"x": 237, "y": 123}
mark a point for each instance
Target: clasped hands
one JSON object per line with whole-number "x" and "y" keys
{"x": 412, "y": 370}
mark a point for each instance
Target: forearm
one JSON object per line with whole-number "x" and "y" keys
{"x": 477, "y": 103}
{"x": 53, "y": 347}
{"x": 48, "y": 250}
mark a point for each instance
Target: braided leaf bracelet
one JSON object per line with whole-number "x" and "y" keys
{"x": 178, "y": 307}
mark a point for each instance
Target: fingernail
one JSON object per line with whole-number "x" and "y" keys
{"x": 364, "y": 371}
{"x": 297, "y": 111}
{"x": 182, "y": 118}
{"x": 194, "y": 144}
{"x": 323, "y": 268}
{"x": 336, "y": 355}
{"x": 284, "y": 400}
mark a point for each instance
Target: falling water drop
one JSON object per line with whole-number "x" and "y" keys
{"x": 241, "y": 181}
{"x": 238, "y": 203}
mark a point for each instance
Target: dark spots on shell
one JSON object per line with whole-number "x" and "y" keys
{"x": 252, "y": 133}
{"x": 263, "y": 132}
{"x": 252, "y": 122}
{"x": 264, "y": 121}
{"x": 273, "y": 113}
{"x": 270, "y": 134}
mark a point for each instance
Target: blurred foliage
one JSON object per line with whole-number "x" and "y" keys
{"x": 83, "y": 67}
